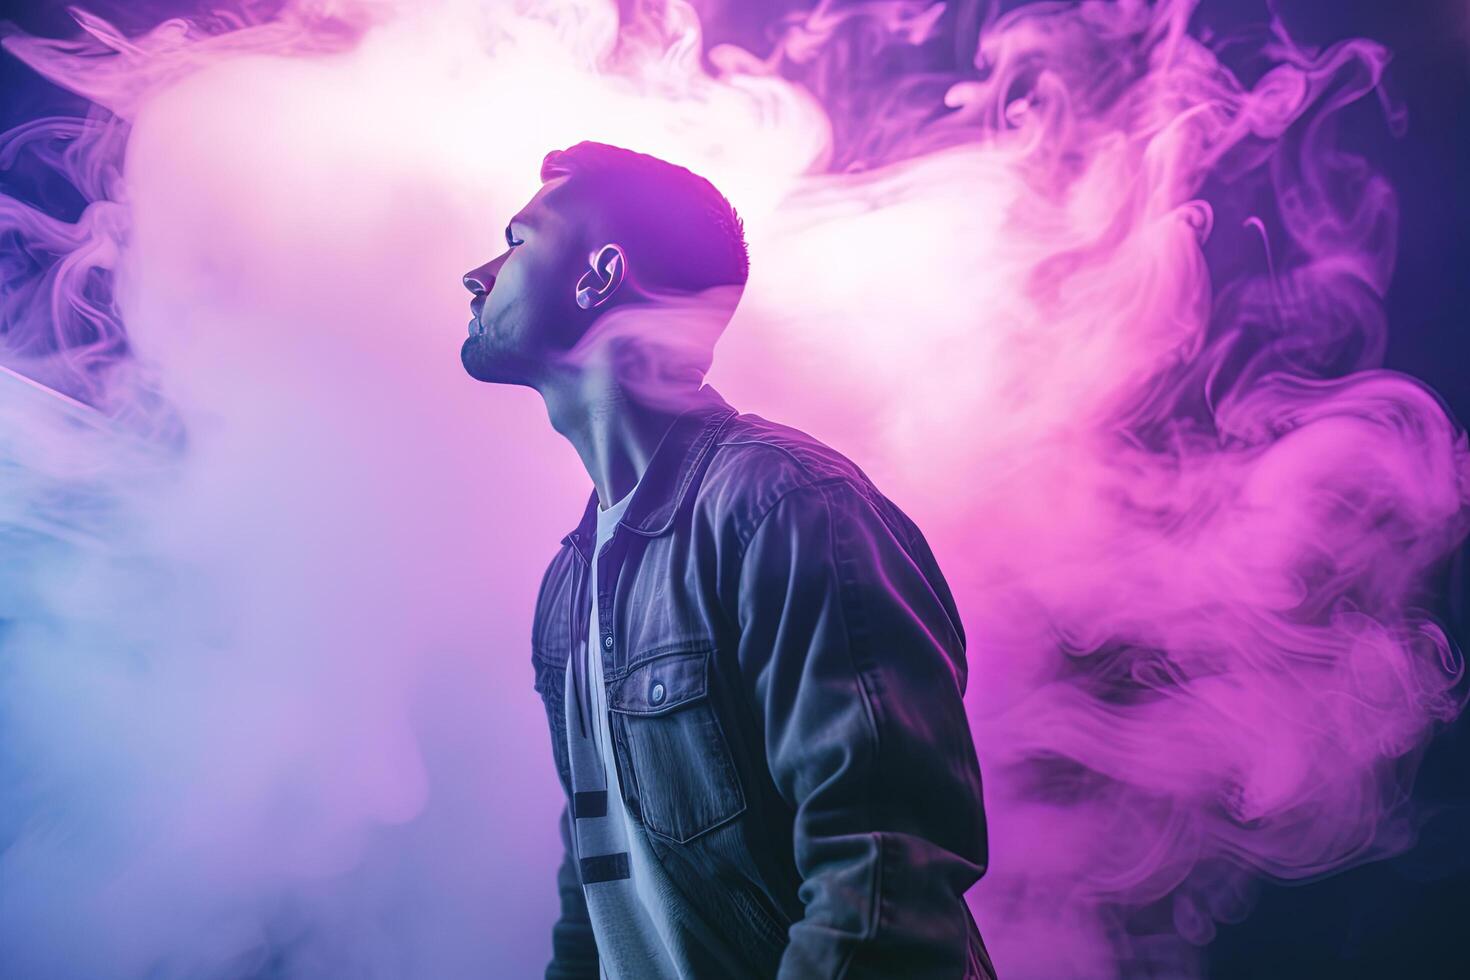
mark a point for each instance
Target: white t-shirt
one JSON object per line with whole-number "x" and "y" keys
{"x": 630, "y": 906}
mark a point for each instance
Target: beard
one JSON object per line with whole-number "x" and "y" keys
{"x": 483, "y": 361}
{"x": 496, "y": 355}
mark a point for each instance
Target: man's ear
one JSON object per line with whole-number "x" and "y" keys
{"x": 608, "y": 266}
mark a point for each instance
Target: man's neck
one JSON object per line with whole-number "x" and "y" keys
{"x": 613, "y": 432}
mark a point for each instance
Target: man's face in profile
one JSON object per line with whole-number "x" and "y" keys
{"x": 523, "y": 308}
{"x": 609, "y": 230}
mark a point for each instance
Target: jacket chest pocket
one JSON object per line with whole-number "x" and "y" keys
{"x": 676, "y": 765}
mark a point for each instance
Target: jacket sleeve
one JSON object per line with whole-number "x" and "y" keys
{"x": 573, "y": 948}
{"x": 857, "y": 665}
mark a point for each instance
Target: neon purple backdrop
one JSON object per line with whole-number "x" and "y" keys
{"x": 266, "y": 688}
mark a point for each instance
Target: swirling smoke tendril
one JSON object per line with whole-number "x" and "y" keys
{"x": 268, "y": 558}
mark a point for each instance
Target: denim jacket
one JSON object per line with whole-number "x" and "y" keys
{"x": 784, "y": 668}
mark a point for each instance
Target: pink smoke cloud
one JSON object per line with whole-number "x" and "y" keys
{"x": 267, "y": 677}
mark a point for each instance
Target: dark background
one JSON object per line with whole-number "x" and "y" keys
{"x": 1401, "y": 918}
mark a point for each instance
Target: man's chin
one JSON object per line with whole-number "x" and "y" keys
{"x": 483, "y": 363}
{"x": 475, "y": 358}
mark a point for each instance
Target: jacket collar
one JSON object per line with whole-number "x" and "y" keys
{"x": 669, "y": 475}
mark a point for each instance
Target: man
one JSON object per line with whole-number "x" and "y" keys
{"x": 751, "y": 664}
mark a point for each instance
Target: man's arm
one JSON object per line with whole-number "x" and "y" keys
{"x": 573, "y": 948}
{"x": 858, "y": 669}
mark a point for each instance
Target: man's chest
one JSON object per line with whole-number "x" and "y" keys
{"x": 641, "y": 637}
{"x": 638, "y": 598}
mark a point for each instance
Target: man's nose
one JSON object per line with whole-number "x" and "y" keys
{"x": 480, "y": 280}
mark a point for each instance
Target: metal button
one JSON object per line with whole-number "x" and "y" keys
{"x": 656, "y": 696}
{"x": 607, "y": 641}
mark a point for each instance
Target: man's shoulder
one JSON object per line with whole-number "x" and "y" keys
{"x": 755, "y": 462}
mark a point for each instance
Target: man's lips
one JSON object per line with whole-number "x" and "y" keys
{"x": 477, "y": 306}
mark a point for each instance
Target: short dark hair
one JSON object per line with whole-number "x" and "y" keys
{"x": 681, "y": 234}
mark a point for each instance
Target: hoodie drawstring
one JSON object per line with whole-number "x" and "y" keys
{"x": 579, "y": 667}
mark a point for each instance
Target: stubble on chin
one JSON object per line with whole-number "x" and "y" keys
{"x": 486, "y": 357}
{"x": 478, "y": 358}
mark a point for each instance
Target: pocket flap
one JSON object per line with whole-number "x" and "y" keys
{"x": 661, "y": 683}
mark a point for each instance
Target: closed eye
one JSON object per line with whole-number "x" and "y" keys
{"x": 511, "y": 239}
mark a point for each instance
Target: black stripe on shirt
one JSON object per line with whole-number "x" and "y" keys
{"x": 592, "y": 803}
{"x": 605, "y": 867}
